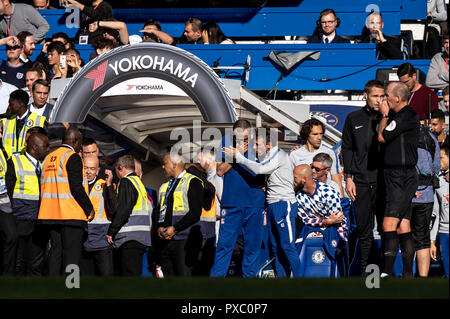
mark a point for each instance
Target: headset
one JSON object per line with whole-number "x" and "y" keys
{"x": 325, "y": 12}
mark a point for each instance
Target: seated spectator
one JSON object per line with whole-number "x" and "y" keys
{"x": 212, "y": 34}
{"x": 13, "y": 17}
{"x": 31, "y": 76}
{"x": 192, "y": 32}
{"x": 55, "y": 50}
{"x": 444, "y": 106}
{"x": 436, "y": 15}
{"x": 74, "y": 61}
{"x": 112, "y": 29}
{"x": 437, "y": 76}
{"x": 387, "y": 47}
{"x": 326, "y": 29}
{"x": 42, "y": 4}
{"x": 420, "y": 93}
{"x": 321, "y": 167}
{"x": 60, "y": 37}
{"x": 102, "y": 45}
{"x": 5, "y": 91}
{"x": 98, "y": 10}
{"x": 152, "y": 32}
{"x": 28, "y": 45}
{"x": 437, "y": 126}
{"x": 13, "y": 70}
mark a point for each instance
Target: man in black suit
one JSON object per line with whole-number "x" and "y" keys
{"x": 326, "y": 29}
{"x": 387, "y": 47}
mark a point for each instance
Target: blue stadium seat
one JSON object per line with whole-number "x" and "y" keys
{"x": 315, "y": 261}
{"x": 145, "y": 267}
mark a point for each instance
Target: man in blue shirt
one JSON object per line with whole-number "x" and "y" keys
{"x": 428, "y": 165}
{"x": 242, "y": 207}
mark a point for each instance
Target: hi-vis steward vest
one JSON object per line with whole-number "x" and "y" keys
{"x": 25, "y": 200}
{"x": 13, "y": 143}
{"x": 5, "y": 204}
{"x": 181, "y": 205}
{"x": 57, "y": 202}
{"x": 139, "y": 223}
{"x": 27, "y": 184}
{"x": 98, "y": 227}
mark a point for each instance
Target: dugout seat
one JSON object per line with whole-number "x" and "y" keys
{"x": 321, "y": 255}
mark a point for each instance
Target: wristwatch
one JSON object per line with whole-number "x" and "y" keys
{"x": 385, "y": 116}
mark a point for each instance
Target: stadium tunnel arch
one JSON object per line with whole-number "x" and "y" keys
{"x": 169, "y": 63}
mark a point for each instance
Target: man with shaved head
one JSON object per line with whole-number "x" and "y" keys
{"x": 399, "y": 132}
{"x": 22, "y": 182}
{"x": 319, "y": 205}
{"x": 65, "y": 205}
{"x": 98, "y": 254}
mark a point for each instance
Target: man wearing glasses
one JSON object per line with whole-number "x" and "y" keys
{"x": 326, "y": 29}
{"x": 192, "y": 32}
{"x": 321, "y": 167}
{"x": 12, "y": 70}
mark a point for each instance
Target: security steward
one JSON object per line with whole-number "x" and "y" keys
{"x": 399, "y": 132}
{"x": 363, "y": 180}
{"x": 65, "y": 205}
{"x": 17, "y": 124}
{"x": 97, "y": 251}
{"x": 129, "y": 231}
{"x": 22, "y": 181}
{"x": 205, "y": 229}
{"x": 8, "y": 233}
{"x": 180, "y": 208}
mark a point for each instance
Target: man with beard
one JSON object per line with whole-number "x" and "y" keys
{"x": 326, "y": 29}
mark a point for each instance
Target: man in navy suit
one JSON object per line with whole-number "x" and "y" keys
{"x": 326, "y": 29}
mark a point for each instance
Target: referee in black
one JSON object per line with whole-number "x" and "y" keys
{"x": 399, "y": 131}
{"x": 361, "y": 157}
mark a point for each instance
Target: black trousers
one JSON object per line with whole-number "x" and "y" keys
{"x": 25, "y": 229}
{"x": 97, "y": 262}
{"x": 420, "y": 224}
{"x": 66, "y": 244}
{"x": 367, "y": 206}
{"x": 172, "y": 256}
{"x": 130, "y": 258}
{"x": 10, "y": 239}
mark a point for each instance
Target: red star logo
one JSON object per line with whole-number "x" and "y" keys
{"x": 98, "y": 75}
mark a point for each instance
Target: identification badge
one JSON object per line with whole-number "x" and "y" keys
{"x": 3, "y": 189}
{"x": 162, "y": 213}
{"x": 83, "y": 39}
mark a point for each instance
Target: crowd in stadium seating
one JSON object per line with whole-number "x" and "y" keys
{"x": 104, "y": 235}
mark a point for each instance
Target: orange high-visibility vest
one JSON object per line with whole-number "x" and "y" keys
{"x": 57, "y": 202}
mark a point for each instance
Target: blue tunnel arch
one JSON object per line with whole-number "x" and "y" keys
{"x": 146, "y": 59}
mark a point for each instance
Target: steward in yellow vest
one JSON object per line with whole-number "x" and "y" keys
{"x": 22, "y": 181}
{"x": 97, "y": 249}
{"x": 65, "y": 203}
{"x": 180, "y": 208}
{"x": 15, "y": 127}
{"x": 130, "y": 227}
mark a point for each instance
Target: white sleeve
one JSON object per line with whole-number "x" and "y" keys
{"x": 265, "y": 167}
{"x": 436, "y": 209}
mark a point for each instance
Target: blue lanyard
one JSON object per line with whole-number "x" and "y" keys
{"x": 36, "y": 166}
{"x": 169, "y": 189}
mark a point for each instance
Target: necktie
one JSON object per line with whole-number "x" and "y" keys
{"x": 325, "y": 40}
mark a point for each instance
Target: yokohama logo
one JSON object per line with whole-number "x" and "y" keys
{"x": 98, "y": 75}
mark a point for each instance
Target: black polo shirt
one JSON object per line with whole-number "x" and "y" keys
{"x": 401, "y": 136}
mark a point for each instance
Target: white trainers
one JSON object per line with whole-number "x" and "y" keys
{"x": 384, "y": 275}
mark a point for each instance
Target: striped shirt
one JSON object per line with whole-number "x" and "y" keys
{"x": 313, "y": 209}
